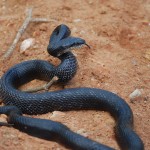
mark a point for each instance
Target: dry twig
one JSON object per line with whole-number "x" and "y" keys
{"x": 44, "y": 87}
{"x": 19, "y": 34}
{"x": 42, "y": 20}
{"x": 22, "y": 29}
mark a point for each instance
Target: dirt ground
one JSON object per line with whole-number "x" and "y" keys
{"x": 119, "y": 61}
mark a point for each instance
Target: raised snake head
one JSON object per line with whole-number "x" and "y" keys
{"x": 61, "y": 41}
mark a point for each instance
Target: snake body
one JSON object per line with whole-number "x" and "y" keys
{"x": 19, "y": 102}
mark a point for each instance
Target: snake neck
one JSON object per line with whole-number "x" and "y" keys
{"x": 66, "y": 70}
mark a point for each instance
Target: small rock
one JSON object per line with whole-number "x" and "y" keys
{"x": 74, "y": 30}
{"x": 134, "y": 62}
{"x": 26, "y": 44}
{"x": 135, "y": 94}
{"x": 57, "y": 114}
{"x": 90, "y": 2}
{"x": 43, "y": 27}
{"x": 82, "y": 132}
{"x": 3, "y": 118}
{"x": 20, "y": 136}
{"x": 147, "y": 55}
{"x": 82, "y": 32}
{"x": 146, "y": 22}
{"x": 76, "y": 20}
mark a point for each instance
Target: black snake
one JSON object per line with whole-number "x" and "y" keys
{"x": 20, "y": 102}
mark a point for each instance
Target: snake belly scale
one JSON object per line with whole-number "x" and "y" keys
{"x": 18, "y": 102}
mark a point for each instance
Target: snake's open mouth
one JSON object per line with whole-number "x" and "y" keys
{"x": 72, "y": 48}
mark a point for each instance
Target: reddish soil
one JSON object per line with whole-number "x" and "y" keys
{"x": 119, "y": 61}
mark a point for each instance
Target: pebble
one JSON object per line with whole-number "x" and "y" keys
{"x": 3, "y": 118}
{"x": 57, "y": 114}
{"x": 43, "y": 27}
{"x": 74, "y": 30}
{"x": 135, "y": 94}
{"x": 26, "y": 44}
{"x": 82, "y": 132}
{"x": 76, "y": 20}
{"x": 147, "y": 54}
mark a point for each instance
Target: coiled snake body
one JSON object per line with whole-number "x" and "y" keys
{"x": 64, "y": 100}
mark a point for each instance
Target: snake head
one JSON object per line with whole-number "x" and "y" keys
{"x": 59, "y": 33}
{"x": 61, "y": 41}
